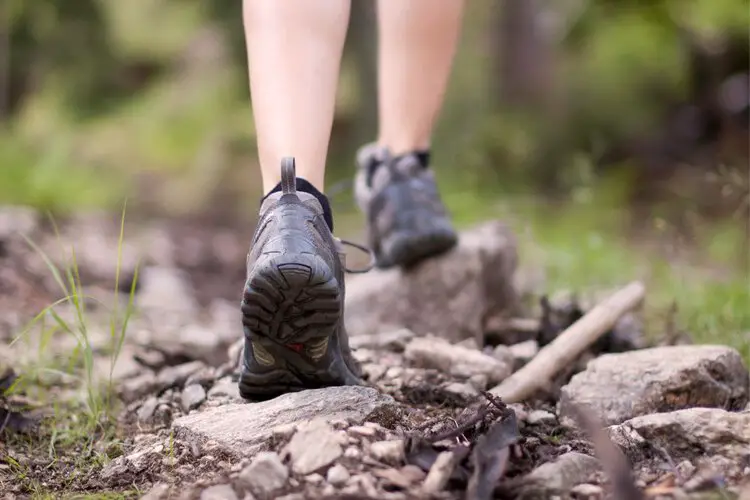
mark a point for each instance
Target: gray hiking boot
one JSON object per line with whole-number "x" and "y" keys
{"x": 293, "y": 301}
{"x": 406, "y": 219}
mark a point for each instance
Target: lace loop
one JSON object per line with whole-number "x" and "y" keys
{"x": 362, "y": 248}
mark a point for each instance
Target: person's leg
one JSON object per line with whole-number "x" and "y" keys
{"x": 293, "y": 298}
{"x": 417, "y": 41}
{"x": 407, "y": 221}
{"x": 294, "y": 51}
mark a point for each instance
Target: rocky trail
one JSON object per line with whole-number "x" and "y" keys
{"x": 447, "y": 351}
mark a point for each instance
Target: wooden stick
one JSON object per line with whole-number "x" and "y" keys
{"x": 569, "y": 344}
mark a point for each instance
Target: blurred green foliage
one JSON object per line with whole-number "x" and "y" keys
{"x": 103, "y": 97}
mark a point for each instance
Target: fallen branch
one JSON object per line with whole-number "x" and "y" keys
{"x": 569, "y": 345}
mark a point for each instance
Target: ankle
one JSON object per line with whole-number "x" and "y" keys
{"x": 305, "y": 186}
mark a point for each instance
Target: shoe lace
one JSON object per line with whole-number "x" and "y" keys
{"x": 370, "y": 266}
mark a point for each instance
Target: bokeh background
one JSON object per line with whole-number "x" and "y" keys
{"x": 613, "y": 134}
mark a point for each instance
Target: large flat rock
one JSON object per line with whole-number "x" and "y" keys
{"x": 662, "y": 379}
{"x": 242, "y": 428}
{"x": 680, "y": 433}
{"x": 450, "y": 296}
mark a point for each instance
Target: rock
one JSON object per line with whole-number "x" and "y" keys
{"x": 265, "y": 474}
{"x": 165, "y": 290}
{"x": 314, "y": 478}
{"x": 115, "y": 469}
{"x": 557, "y": 477}
{"x": 413, "y": 473}
{"x": 126, "y": 366}
{"x": 205, "y": 376}
{"x": 141, "y": 460}
{"x": 394, "y": 477}
{"x": 147, "y": 409}
{"x": 391, "y": 340}
{"x": 520, "y": 411}
{"x": 440, "y": 472}
{"x": 391, "y": 452}
{"x": 225, "y": 388}
{"x": 685, "y": 469}
{"x": 622, "y": 386}
{"x": 503, "y": 354}
{"x": 17, "y": 219}
{"x": 478, "y": 382}
{"x": 219, "y": 492}
{"x": 314, "y": 446}
{"x": 241, "y": 429}
{"x": 587, "y": 491}
{"x": 159, "y": 491}
{"x": 362, "y": 431}
{"x": 441, "y": 296}
{"x": 201, "y": 342}
{"x": 465, "y": 392}
{"x": 284, "y": 431}
{"x": 524, "y": 352}
{"x": 135, "y": 388}
{"x": 337, "y": 475}
{"x": 192, "y": 397}
{"x": 470, "y": 343}
{"x": 680, "y": 433}
{"x": 175, "y": 376}
{"x": 538, "y": 417}
{"x": 292, "y": 496}
{"x": 745, "y": 491}
{"x": 432, "y": 352}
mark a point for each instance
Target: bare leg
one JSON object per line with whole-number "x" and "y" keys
{"x": 417, "y": 42}
{"x": 294, "y": 53}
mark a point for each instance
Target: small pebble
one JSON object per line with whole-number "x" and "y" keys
{"x": 587, "y": 491}
{"x": 339, "y": 424}
{"x": 338, "y": 475}
{"x": 147, "y": 410}
{"x": 518, "y": 409}
{"x": 388, "y": 451}
{"x": 685, "y": 469}
{"x": 314, "y": 478}
{"x": 478, "y": 381}
{"x": 538, "y": 417}
{"x": 219, "y": 492}
{"x": 504, "y": 354}
{"x": 352, "y": 452}
{"x": 463, "y": 391}
{"x": 192, "y": 397}
{"x": 266, "y": 473}
{"x": 361, "y": 430}
{"x": 523, "y": 352}
{"x": 284, "y": 431}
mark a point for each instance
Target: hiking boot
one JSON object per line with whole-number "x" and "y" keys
{"x": 406, "y": 219}
{"x": 293, "y": 301}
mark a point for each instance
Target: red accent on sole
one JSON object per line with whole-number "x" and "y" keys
{"x": 295, "y": 347}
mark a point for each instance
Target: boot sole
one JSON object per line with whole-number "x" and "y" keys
{"x": 291, "y": 308}
{"x": 406, "y": 248}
